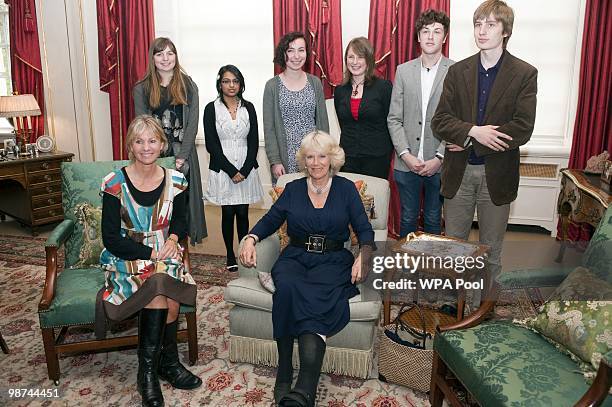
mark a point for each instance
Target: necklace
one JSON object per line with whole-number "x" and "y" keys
{"x": 356, "y": 87}
{"x": 234, "y": 110}
{"x": 318, "y": 190}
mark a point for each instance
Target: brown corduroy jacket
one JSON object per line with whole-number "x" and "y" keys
{"x": 511, "y": 105}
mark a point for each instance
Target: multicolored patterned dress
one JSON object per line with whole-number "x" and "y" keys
{"x": 132, "y": 284}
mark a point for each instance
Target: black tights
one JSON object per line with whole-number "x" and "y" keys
{"x": 227, "y": 227}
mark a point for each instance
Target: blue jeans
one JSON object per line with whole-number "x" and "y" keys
{"x": 409, "y": 186}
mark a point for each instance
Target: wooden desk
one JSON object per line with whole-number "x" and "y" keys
{"x": 31, "y": 190}
{"x": 582, "y": 199}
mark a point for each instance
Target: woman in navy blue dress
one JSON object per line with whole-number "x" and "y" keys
{"x": 314, "y": 276}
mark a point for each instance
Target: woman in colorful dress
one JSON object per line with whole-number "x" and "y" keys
{"x": 167, "y": 93}
{"x": 313, "y": 284}
{"x": 143, "y": 219}
{"x": 362, "y": 105}
{"x": 293, "y": 105}
{"x": 232, "y": 139}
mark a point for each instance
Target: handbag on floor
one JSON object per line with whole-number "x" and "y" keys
{"x": 405, "y": 353}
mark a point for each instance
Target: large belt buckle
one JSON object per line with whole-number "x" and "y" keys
{"x": 316, "y": 244}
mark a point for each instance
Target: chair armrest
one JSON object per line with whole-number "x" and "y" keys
{"x": 267, "y": 251}
{"x": 537, "y": 277}
{"x": 186, "y": 259}
{"x": 600, "y": 387}
{"x": 477, "y": 317}
{"x": 60, "y": 233}
{"x": 55, "y": 240}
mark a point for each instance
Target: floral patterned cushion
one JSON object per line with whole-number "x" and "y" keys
{"x": 265, "y": 279}
{"x": 502, "y": 364}
{"x": 577, "y": 318}
{"x": 368, "y": 206}
{"x": 89, "y": 217}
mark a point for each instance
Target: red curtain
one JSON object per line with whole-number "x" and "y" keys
{"x": 392, "y": 32}
{"x": 26, "y": 69}
{"x": 124, "y": 36}
{"x": 592, "y": 132}
{"x": 320, "y": 21}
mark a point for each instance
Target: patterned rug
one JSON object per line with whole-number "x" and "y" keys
{"x": 109, "y": 378}
{"x": 18, "y": 250}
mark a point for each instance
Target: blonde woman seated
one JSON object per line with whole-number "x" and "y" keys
{"x": 314, "y": 276}
{"x": 143, "y": 218}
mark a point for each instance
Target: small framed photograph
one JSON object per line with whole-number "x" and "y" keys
{"x": 9, "y": 143}
{"x": 31, "y": 148}
{"x": 606, "y": 174}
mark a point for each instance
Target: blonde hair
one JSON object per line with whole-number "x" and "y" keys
{"x": 139, "y": 126}
{"x": 501, "y": 11}
{"x": 321, "y": 142}
{"x": 177, "y": 89}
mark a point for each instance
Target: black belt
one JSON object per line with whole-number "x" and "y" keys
{"x": 317, "y": 244}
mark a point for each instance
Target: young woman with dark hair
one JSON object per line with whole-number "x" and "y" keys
{"x": 232, "y": 139}
{"x": 293, "y": 104}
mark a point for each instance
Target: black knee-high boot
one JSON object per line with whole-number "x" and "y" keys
{"x": 284, "y": 373}
{"x": 151, "y": 324}
{"x": 312, "y": 350}
{"x": 170, "y": 368}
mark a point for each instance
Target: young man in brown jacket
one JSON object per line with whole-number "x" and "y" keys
{"x": 486, "y": 111}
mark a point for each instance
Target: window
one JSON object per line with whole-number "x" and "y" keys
{"x": 6, "y": 87}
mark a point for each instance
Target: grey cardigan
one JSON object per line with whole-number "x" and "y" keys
{"x": 196, "y": 219}
{"x": 275, "y": 136}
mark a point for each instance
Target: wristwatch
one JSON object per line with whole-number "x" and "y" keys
{"x": 439, "y": 156}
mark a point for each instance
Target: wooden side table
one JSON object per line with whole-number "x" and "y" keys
{"x": 582, "y": 199}
{"x": 434, "y": 318}
{"x": 31, "y": 189}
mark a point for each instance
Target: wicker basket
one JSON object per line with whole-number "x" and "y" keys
{"x": 402, "y": 364}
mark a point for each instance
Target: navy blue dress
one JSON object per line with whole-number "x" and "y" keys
{"x": 313, "y": 289}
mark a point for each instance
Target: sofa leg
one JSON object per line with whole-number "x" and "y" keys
{"x": 436, "y": 396}
{"x": 51, "y": 355}
{"x": 192, "y": 337}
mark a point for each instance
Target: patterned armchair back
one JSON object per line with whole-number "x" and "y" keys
{"x": 81, "y": 183}
{"x": 598, "y": 255}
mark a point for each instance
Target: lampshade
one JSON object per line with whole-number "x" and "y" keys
{"x": 18, "y": 106}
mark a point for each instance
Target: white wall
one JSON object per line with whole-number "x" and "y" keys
{"x": 548, "y": 35}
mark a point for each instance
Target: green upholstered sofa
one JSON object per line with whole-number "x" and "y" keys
{"x": 349, "y": 352}
{"x": 69, "y": 295}
{"x": 505, "y": 364}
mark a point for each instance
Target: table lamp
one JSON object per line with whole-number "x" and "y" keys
{"x": 20, "y": 108}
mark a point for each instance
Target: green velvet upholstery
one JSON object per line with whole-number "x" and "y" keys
{"x": 598, "y": 255}
{"x": 527, "y": 278}
{"x": 502, "y": 364}
{"x": 81, "y": 183}
{"x": 76, "y": 288}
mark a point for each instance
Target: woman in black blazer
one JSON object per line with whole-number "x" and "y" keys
{"x": 362, "y": 105}
{"x": 232, "y": 139}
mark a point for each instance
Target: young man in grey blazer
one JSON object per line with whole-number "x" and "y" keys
{"x": 486, "y": 111}
{"x": 419, "y": 152}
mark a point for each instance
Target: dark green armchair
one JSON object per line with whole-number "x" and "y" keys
{"x": 501, "y": 363}
{"x": 69, "y": 295}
